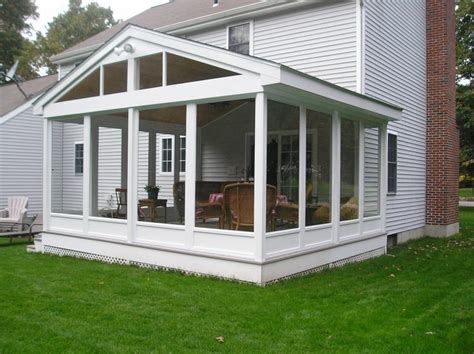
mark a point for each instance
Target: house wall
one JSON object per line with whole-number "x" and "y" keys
{"x": 394, "y": 71}
{"x": 21, "y": 160}
{"x": 319, "y": 41}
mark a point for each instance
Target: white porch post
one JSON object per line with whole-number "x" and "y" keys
{"x": 86, "y": 175}
{"x": 383, "y": 175}
{"x": 164, "y": 73}
{"x": 302, "y": 175}
{"x": 361, "y": 189}
{"x": 336, "y": 175}
{"x": 152, "y": 158}
{"x": 260, "y": 175}
{"x": 190, "y": 183}
{"x": 176, "y": 157}
{"x": 124, "y": 149}
{"x": 47, "y": 169}
{"x": 132, "y": 197}
{"x": 94, "y": 168}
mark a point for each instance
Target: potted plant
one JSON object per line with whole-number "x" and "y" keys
{"x": 152, "y": 191}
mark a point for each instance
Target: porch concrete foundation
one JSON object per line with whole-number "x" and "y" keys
{"x": 414, "y": 234}
{"x": 442, "y": 230}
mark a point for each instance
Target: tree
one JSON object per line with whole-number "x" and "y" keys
{"x": 71, "y": 27}
{"x": 464, "y": 89}
{"x": 13, "y": 23}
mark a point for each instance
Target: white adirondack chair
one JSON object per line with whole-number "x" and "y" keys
{"x": 15, "y": 212}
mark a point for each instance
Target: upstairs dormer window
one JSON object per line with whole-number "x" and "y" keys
{"x": 239, "y": 38}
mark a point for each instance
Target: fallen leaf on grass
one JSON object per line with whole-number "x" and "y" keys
{"x": 220, "y": 339}
{"x": 429, "y": 332}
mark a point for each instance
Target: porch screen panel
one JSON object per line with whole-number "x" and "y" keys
{"x": 349, "y": 170}
{"x": 67, "y": 162}
{"x": 371, "y": 171}
{"x": 182, "y": 70}
{"x": 161, "y": 181}
{"x": 109, "y": 156}
{"x": 318, "y": 168}
{"x": 87, "y": 87}
{"x": 282, "y": 166}
{"x": 151, "y": 71}
{"x": 224, "y": 165}
{"x": 115, "y": 77}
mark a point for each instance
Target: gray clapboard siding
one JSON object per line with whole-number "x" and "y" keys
{"x": 319, "y": 41}
{"x": 21, "y": 160}
{"x": 395, "y": 72}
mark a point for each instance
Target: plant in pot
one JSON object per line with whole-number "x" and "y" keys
{"x": 152, "y": 191}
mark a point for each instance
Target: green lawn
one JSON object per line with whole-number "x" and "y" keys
{"x": 466, "y": 192}
{"x": 418, "y": 299}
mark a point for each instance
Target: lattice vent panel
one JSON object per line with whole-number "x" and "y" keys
{"x": 357, "y": 258}
{"x": 62, "y": 252}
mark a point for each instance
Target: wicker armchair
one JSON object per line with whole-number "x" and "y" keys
{"x": 239, "y": 205}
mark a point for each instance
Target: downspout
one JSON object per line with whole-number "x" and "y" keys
{"x": 360, "y": 33}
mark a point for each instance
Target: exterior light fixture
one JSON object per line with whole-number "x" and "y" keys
{"x": 127, "y": 48}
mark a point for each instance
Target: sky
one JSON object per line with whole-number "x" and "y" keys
{"x": 123, "y": 9}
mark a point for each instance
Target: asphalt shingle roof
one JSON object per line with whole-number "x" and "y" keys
{"x": 170, "y": 13}
{"x": 11, "y": 97}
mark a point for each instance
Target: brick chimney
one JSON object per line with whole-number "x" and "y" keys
{"x": 442, "y": 137}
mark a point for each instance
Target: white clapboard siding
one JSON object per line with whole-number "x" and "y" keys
{"x": 57, "y": 167}
{"x": 21, "y": 160}
{"x": 319, "y": 41}
{"x": 72, "y": 183}
{"x": 215, "y": 37}
{"x": 223, "y": 145}
{"x": 142, "y": 163}
{"x": 110, "y": 164}
{"x": 395, "y": 72}
{"x": 371, "y": 172}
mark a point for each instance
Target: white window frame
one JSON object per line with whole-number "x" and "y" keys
{"x": 396, "y": 163}
{"x": 251, "y": 39}
{"x": 167, "y": 173}
{"x": 182, "y": 173}
{"x": 75, "y": 158}
{"x": 279, "y": 134}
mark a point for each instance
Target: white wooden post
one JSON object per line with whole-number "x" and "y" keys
{"x": 260, "y": 175}
{"x": 164, "y": 76}
{"x": 336, "y": 175}
{"x": 47, "y": 170}
{"x": 302, "y": 175}
{"x": 361, "y": 171}
{"x": 101, "y": 80}
{"x": 86, "y": 175}
{"x": 124, "y": 156}
{"x": 133, "y": 74}
{"x": 383, "y": 176}
{"x": 176, "y": 157}
{"x": 94, "y": 168}
{"x": 132, "y": 189}
{"x": 190, "y": 182}
{"x": 152, "y": 158}
{"x": 199, "y": 154}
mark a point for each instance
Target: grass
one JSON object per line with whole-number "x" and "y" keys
{"x": 466, "y": 193}
{"x": 417, "y": 299}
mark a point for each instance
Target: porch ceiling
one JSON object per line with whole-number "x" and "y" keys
{"x": 207, "y": 113}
